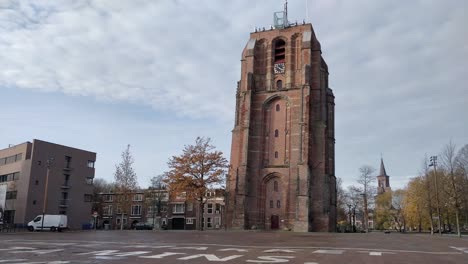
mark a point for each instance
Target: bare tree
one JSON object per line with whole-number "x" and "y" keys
{"x": 199, "y": 168}
{"x": 126, "y": 183}
{"x": 365, "y": 179}
{"x": 157, "y": 194}
{"x": 353, "y": 201}
{"x": 462, "y": 169}
{"x": 456, "y": 181}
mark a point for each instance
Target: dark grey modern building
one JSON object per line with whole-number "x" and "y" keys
{"x": 33, "y": 172}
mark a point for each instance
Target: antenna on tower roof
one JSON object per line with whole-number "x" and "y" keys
{"x": 280, "y": 19}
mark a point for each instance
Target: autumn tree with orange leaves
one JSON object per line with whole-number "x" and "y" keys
{"x": 198, "y": 169}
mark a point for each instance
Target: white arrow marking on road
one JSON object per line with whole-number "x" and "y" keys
{"x": 163, "y": 255}
{"x": 234, "y": 249}
{"x": 329, "y": 251}
{"x": 280, "y": 250}
{"x": 194, "y": 248}
{"x": 272, "y": 259}
{"x": 211, "y": 257}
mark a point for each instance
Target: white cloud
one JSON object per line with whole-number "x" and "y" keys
{"x": 398, "y": 71}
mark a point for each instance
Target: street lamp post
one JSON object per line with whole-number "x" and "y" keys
{"x": 44, "y": 207}
{"x": 433, "y": 163}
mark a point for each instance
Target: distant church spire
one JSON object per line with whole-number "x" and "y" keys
{"x": 382, "y": 168}
{"x": 383, "y": 179}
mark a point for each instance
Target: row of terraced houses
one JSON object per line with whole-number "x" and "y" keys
{"x": 41, "y": 177}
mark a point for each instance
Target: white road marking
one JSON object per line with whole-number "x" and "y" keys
{"x": 133, "y": 253}
{"x": 11, "y": 260}
{"x": 211, "y": 257}
{"x": 148, "y": 246}
{"x": 310, "y": 262}
{"x": 163, "y": 255}
{"x": 278, "y": 250}
{"x": 375, "y": 253}
{"x": 194, "y": 248}
{"x": 39, "y": 251}
{"x": 234, "y": 249}
{"x": 271, "y": 259}
{"x": 464, "y": 250}
{"x": 329, "y": 251}
{"x": 100, "y": 253}
{"x": 16, "y": 248}
{"x": 45, "y": 262}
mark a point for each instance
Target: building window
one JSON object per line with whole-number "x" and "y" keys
{"x": 37, "y": 182}
{"x": 276, "y": 133}
{"x": 275, "y": 186}
{"x": 189, "y": 207}
{"x": 107, "y": 210}
{"x": 217, "y": 222}
{"x": 279, "y": 86}
{"x": 209, "y": 224}
{"x": 189, "y": 221}
{"x": 67, "y": 161}
{"x": 91, "y": 163}
{"x": 108, "y": 197}
{"x": 66, "y": 179}
{"x": 218, "y": 208}
{"x": 278, "y": 204}
{"x": 11, "y": 195}
{"x": 271, "y": 203}
{"x": 119, "y": 209}
{"x": 88, "y": 198}
{"x": 277, "y": 107}
{"x": 89, "y": 181}
{"x": 210, "y": 208}
{"x": 34, "y": 202}
{"x": 138, "y": 197}
{"x": 62, "y": 212}
{"x": 136, "y": 209}
{"x": 276, "y": 154}
{"x": 178, "y": 208}
{"x": 9, "y": 177}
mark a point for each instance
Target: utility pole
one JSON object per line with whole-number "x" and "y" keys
{"x": 44, "y": 207}
{"x": 433, "y": 160}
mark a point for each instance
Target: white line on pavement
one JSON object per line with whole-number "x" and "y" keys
{"x": 329, "y": 251}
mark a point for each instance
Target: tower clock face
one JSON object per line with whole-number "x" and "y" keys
{"x": 279, "y": 68}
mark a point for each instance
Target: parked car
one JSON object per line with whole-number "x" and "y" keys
{"x": 50, "y": 222}
{"x": 143, "y": 226}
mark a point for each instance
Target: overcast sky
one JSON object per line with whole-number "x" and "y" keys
{"x": 99, "y": 75}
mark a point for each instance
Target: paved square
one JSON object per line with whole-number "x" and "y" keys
{"x": 228, "y": 247}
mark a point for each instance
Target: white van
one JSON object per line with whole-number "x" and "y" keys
{"x": 51, "y": 222}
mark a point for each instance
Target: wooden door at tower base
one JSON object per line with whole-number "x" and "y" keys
{"x": 274, "y": 222}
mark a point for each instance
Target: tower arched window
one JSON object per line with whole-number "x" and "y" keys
{"x": 276, "y": 133}
{"x": 278, "y": 204}
{"x": 275, "y": 186}
{"x": 277, "y": 107}
{"x": 279, "y": 84}
{"x": 276, "y": 154}
{"x": 271, "y": 203}
{"x": 280, "y": 51}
